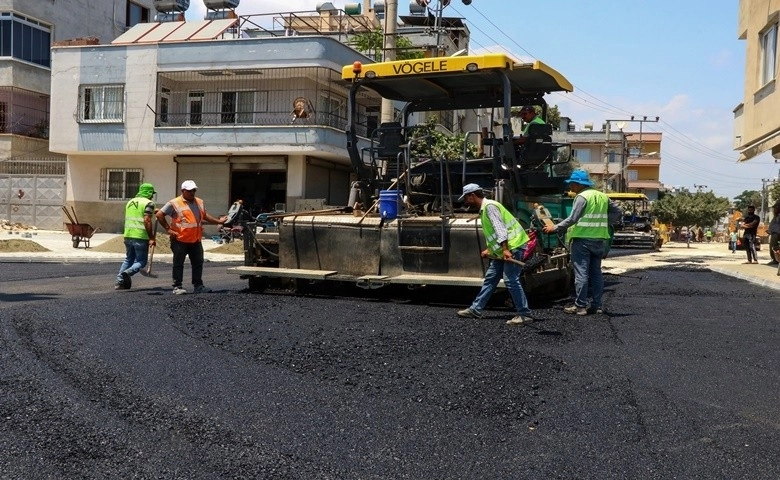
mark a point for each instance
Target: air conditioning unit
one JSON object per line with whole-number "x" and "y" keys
{"x": 170, "y": 6}
{"x": 221, "y": 4}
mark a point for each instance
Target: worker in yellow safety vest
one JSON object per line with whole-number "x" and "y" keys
{"x": 587, "y": 231}
{"x": 138, "y": 234}
{"x": 506, "y": 241}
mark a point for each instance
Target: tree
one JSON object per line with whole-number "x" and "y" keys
{"x": 774, "y": 192}
{"x": 372, "y": 44}
{"x": 686, "y": 208}
{"x": 436, "y": 144}
{"x": 748, "y": 197}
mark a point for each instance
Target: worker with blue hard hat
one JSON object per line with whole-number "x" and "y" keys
{"x": 587, "y": 231}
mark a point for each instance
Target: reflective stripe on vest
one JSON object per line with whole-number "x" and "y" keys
{"x": 516, "y": 236}
{"x": 188, "y": 227}
{"x": 134, "y": 218}
{"x": 594, "y": 222}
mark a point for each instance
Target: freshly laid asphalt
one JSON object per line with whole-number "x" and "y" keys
{"x": 678, "y": 379}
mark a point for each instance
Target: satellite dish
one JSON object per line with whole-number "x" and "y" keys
{"x": 460, "y": 52}
{"x": 621, "y": 125}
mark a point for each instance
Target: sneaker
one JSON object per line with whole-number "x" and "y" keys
{"x": 179, "y": 291}
{"x": 520, "y": 320}
{"x": 201, "y": 289}
{"x": 126, "y": 280}
{"x": 575, "y": 309}
{"x": 121, "y": 286}
{"x": 597, "y": 311}
{"x": 469, "y": 313}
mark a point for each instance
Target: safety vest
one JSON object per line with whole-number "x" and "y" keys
{"x": 594, "y": 222}
{"x": 188, "y": 227}
{"x": 536, "y": 120}
{"x": 134, "y": 218}
{"x": 516, "y": 236}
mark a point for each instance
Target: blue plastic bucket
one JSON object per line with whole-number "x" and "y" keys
{"x": 388, "y": 203}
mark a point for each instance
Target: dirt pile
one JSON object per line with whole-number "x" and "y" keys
{"x": 117, "y": 245}
{"x": 19, "y": 245}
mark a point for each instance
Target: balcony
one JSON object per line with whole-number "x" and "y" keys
{"x": 644, "y": 161}
{"x": 24, "y": 113}
{"x": 644, "y": 184}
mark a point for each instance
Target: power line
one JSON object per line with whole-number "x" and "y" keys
{"x": 601, "y": 105}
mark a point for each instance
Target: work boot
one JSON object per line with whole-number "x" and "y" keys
{"x": 576, "y": 310}
{"x": 520, "y": 320}
{"x": 126, "y": 280}
{"x": 121, "y": 286}
{"x": 201, "y": 289}
{"x": 469, "y": 313}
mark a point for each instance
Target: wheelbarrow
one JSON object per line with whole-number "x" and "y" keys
{"x": 79, "y": 232}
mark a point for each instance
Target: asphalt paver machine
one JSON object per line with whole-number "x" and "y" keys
{"x": 404, "y": 223}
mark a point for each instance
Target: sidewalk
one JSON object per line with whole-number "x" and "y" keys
{"x": 716, "y": 256}
{"x": 61, "y": 249}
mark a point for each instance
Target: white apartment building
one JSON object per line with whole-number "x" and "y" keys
{"x": 195, "y": 100}
{"x": 32, "y": 176}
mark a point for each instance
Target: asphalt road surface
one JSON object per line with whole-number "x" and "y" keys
{"x": 678, "y": 380}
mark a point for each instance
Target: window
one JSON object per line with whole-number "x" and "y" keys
{"x": 334, "y": 110}
{"x": 582, "y": 156}
{"x": 136, "y": 14}
{"x": 120, "y": 184}
{"x": 25, "y": 38}
{"x": 195, "y": 111}
{"x": 768, "y": 41}
{"x": 102, "y": 103}
{"x": 165, "y": 99}
{"x": 237, "y": 107}
{"x": 633, "y": 175}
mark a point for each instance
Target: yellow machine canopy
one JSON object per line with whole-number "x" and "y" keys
{"x": 444, "y": 83}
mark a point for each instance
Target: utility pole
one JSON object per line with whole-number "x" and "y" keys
{"x": 390, "y": 30}
{"x": 765, "y": 199}
{"x": 623, "y": 161}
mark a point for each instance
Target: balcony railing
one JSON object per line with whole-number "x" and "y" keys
{"x": 306, "y": 96}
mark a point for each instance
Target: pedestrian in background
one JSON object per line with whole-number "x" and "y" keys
{"x": 138, "y": 233}
{"x": 733, "y": 241}
{"x": 587, "y": 231}
{"x": 186, "y": 231}
{"x": 750, "y": 224}
{"x": 506, "y": 241}
{"x": 774, "y": 234}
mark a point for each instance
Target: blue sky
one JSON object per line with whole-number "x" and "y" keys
{"x": 678, "y": 60}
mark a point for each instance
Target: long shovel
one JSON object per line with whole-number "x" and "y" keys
{"x": 148, "y": 271}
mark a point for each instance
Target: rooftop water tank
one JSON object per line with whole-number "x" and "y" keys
{"x": 221, "y": 4}
{"x": 169, "y": 6}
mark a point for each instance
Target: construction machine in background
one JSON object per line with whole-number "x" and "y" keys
{"x": 636, "y": 228}
{"x": 404, "y": 224}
